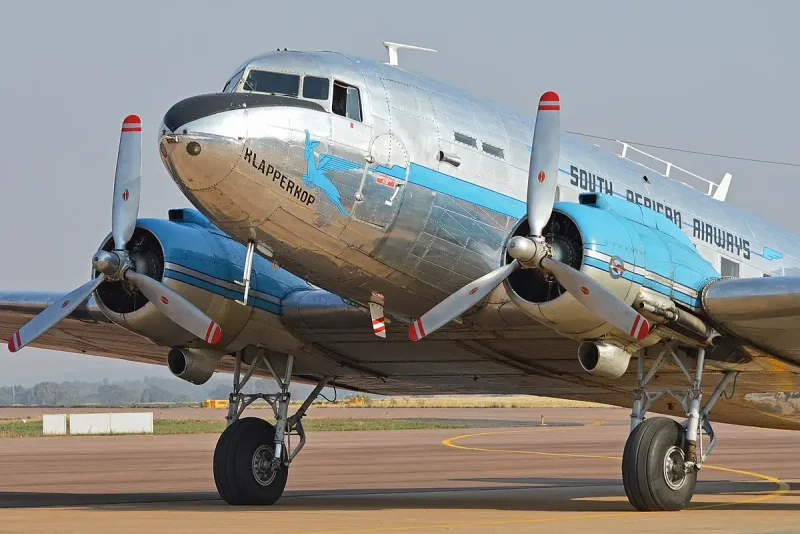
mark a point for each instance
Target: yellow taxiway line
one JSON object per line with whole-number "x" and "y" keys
{"x": 782, "y": 489}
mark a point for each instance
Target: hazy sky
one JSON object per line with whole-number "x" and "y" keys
{"x": 717, "y": 76}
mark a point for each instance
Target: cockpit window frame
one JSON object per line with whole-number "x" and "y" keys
{"x": 248, "y": 70}
{"x": 348, "y": 87}
{"x": 238, "y": 77}
{"x": 303, "y": 88}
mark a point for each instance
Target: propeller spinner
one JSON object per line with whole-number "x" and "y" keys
{"x": 116, "y": 265}
{"x": 533, "y": 252}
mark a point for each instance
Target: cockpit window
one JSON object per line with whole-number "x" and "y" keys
{"x": 346, "y": 101}
{"x": 276, "y": 83}
{"x": 316, "y": 88}
{"x": 231, "y": 84}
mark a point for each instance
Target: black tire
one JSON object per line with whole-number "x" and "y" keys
{"x": 233, "y": 464}
{"x": 644, "y": 474}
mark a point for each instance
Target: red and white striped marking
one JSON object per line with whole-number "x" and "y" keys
{"x": 132, "y": 123}
{"x": 549, "y": 102}
{"x": 214, "y": 333}
{"x": 378, "y": 325}
{"x": 416, "y": 330}
{"x": 542, "y": 177}
{"x": 164, "y": 299}
{"x": 15, "y": 343}
{"x": 126, "y": 195}
{"x": 640, "y": 328}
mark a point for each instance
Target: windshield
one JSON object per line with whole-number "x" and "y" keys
{"x": 231, "y": 84}
{"x": 276, "y": 83}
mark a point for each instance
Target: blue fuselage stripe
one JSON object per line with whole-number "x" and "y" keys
{"x": 645, "y": 282}
{"x": 224, "y": 292}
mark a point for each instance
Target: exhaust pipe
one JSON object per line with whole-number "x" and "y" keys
{"x": 193, "y": 365}
{"x": 602, "y": 359}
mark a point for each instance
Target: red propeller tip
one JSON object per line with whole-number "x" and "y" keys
{"x": 14, "y": 343}
{"x": 132, "y": 119}
{"x": 214, "y": 333}
{"x": 549, "y": 96}
{"x": 640, "y": 328}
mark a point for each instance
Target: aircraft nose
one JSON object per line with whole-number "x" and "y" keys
{"x": 201, "y": 139}
{"x": 200, "y": 107}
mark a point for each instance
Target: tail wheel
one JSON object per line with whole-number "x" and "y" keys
{"x": 242, "y": 464}
{"x": 652, "y": 467}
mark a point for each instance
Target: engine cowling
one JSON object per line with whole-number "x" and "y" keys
{"x": 197, "y": 260}
{"x": 623, "y": 246}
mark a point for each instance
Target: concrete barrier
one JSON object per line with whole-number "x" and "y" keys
{"x": 54, "y": 424}
{"x": 111, "y": 423}
{"x": 131, "y": 423}
{"x": 89, "y": 423}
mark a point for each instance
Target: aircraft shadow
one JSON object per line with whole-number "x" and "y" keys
{"x": 520, "y": 494}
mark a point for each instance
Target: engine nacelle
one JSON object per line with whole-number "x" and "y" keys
{"x": 603, "y": 359}
{"x": 193, "y": 257}
{"x": 194, "y": 365}
{"x": 620, "y": 244}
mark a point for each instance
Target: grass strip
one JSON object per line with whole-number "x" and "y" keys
{"x": 15, "y": 428}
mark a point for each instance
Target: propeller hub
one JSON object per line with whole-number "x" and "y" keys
{"x": 522, "y": 249}
{"x": 529, "y": 252}
{"x": 108, "y": 263}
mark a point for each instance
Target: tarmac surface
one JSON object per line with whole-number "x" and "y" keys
{"x": 516, "y": 479}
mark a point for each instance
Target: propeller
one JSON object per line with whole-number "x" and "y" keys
{"x": 533, "y": 252}
{"x": 116, "y": 265}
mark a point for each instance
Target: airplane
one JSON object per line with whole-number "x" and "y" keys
{"x": 362, "y": 225}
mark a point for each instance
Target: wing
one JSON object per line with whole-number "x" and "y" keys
{"x": 86, "y": 330}
{"x": 332, "y": 163}
{"x": 764, "y": 312}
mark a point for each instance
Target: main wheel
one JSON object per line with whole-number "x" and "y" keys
{"x": 652, "y": 467}
{"x": 242, "y": 464}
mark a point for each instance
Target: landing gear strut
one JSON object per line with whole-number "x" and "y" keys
{"x": 662, "y": 457}
{"x": 252, "y": 456}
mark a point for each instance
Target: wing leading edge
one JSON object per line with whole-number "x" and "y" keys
{"x": 85, "y": 331}
{"x": 762, "y": 311}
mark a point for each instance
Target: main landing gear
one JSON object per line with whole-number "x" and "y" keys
{"x": 662, "y": 457}
{"x": 252, "y": 457}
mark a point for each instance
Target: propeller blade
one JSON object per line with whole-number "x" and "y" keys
{"x": 52, "y": 315}
{"x": 459, "y": 302}
{"x": 598, "y": 299}
{"x": 127, "y": 182}
{"x": 177, "y": 308}
{"x": 543, "y": 171}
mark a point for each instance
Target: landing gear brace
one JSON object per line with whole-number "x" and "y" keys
{"x": 252, "y": 457}
{"x": 662, "y": 457}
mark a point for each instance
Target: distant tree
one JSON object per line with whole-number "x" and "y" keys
{"x": 46, "y": 393}
{"x": 154, "y": 393}
{"x": 220, "y": 392}
{"x": 114, "y": 394}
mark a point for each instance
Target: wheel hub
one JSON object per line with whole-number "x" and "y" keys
{"x": 263, "y": 466}
{"x": 674, "y": 470}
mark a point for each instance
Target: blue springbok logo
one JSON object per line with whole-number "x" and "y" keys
{"x": 315, "y": 177}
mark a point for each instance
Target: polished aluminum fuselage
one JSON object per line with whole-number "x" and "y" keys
{"x": 404, "y": 223}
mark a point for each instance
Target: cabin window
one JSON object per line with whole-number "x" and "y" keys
{"x": 346, "y": 101}
{"x": 728, "y": 268}
{"x": 493, "y": 150}
{"x": 316, "y": 88}
{"x": 231, "y": 84}
{"x": 275, "y": 83}
{"x": 467, "y": 140}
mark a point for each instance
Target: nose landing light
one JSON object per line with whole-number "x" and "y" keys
{"x": 193, "y": 148}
